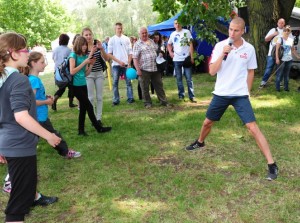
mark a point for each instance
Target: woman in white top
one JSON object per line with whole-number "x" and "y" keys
{"x": 286, "y": 60}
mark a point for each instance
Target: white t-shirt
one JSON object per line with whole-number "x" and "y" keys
{"x": 180, "y": 52}
{"x": 287, "y": 46}
{"x": 120, "y": 47}
{"x": 233, "y": 74}
{"x": 274, "y": 40}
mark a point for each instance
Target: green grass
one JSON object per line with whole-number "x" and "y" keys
{"x": 139, "y": 172}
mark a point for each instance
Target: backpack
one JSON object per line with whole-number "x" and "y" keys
{"x": 62, "y": 74}
{"x": 280, "y": 51}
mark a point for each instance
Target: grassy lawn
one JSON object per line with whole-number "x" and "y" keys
{"x": 139, "y": 172}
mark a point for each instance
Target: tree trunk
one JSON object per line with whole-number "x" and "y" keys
{"x": 263, "y": 15}
{"x": 285, "y": 8}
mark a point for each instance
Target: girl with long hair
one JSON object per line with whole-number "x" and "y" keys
{"x": 36, "y": 64}
{"x": 19, "y": 130}
{"x": 80, "y": 66}
{"x": 95, "y": 80}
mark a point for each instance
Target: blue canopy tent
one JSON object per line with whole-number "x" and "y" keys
{"x": 167, "y": 27}
{"x": 203, "y": 48}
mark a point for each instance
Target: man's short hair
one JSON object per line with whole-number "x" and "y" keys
{"x": 63, "y": 39}
{"x": 238, "y": 20}
{"x": 118, "y": 24}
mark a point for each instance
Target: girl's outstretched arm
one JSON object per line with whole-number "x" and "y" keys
{"x": 29, "y": 123}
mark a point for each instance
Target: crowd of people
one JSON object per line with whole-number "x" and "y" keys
{"x": 24, "y": 115}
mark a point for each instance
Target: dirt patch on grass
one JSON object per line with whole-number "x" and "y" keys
{"x": 174, "y": 162}
{"x": 164, "y": 160}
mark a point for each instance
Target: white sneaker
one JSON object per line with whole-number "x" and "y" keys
{"x": 72, "y": 154}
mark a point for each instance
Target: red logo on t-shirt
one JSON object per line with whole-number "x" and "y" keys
{"x": 244, "y": 56}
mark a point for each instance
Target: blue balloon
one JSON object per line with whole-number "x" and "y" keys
{"x": 131, "y": 73}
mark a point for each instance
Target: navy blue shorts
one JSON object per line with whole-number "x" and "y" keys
{"x": 241, "y": 104}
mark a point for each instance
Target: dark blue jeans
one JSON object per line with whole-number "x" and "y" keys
{"x": 117, "y": 72}
{"x": 283, "y": 73}
{"x": 268, "y": 70}
{"x": 188, "y": 76}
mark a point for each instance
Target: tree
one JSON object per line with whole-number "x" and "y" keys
{"x": 41, "y": 21}
{"x": 101, "y": 20}
{"x": 263, "y": 15}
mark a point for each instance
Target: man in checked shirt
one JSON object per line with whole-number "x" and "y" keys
{"x": 144, "y": 58}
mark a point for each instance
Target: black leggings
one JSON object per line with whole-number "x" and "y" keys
{"x": 80, "y": 92}
{"x": 62, "y": 147}
{"x": 61, "y": 91}
{"x": 23, "y": 175}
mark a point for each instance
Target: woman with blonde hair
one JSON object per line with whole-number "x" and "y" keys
{"x": 286, "y": 60}
{"x": 95, "y": 80}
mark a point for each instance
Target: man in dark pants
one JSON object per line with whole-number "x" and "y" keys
{"x": 58, "y": 56}
{"x": 144, "y": 58}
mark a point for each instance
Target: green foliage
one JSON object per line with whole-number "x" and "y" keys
{"x": 198, "y": 58}
{"x": 166, "y": 8}
{"x": 192, "y": 11}
{"x": 102, "y": 19}
{"x": 103, "y": 3}
{"x": 297, "y": 3}
{"x": 201, "y": 14}
{"x": 205, "y": 13}
{"x": 39, "y": 20}
{"x": 238, "y": 3}
{"x": 185, "y": 41}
